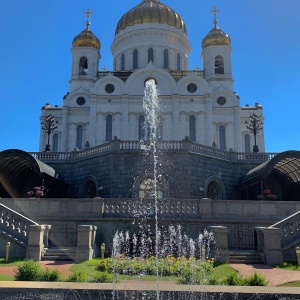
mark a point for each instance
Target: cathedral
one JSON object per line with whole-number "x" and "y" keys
{"x": 93, "y": 145}
{"x": 151, "y": 42}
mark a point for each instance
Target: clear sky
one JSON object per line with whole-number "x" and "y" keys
{"x": 37, "y": 35}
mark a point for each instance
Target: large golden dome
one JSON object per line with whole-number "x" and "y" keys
{"x": 216, "y": 37}
{"x": 86, "y": 39}
{"x": 151, "y": 11}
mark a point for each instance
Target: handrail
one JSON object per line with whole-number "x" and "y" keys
{"x": 14, "y": 224}
{"x": 290, "y": 227}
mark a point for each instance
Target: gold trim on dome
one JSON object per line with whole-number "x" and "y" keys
{"x": 86, "y": 39}
{"x": 151, "y": 11}
{"x": 216, "y": 37}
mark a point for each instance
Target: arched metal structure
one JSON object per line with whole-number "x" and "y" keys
{"x": 281, "y": 175}
{"x": 20, "y": 173}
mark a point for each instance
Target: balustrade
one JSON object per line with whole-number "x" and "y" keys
{"x": 14, "y": 224}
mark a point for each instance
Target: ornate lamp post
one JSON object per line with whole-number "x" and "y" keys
{"x": 254, "y": 125}
{"x": 49, "y": 125}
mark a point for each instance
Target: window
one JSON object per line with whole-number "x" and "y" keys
{"x": 135, "y": 59}
{"x": 79, "y": 137}
{"x": 83, "y": 65}
{"x": 178, "y": 62}
{"x": 213, "y": 191}
{"x": 222, "y": 138}
{"x": 141, "y": 127}
{"x": 166, "y": 58}
{"x": 123, "y": 62}
{"x": 192, "y": 128}
{"x": 108, "y": 128}
{"x": 219, "y": 65}
{"x": 90, "y": 189}
{"x": 147, "y": 189}
{"x": 247, "y": 143}
{"x": 159, "y": 130}
{"x": 150, "y": 55}
{"x": 55, "y": 142}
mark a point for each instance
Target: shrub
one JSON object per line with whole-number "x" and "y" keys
{"x": 233, "y": 279}
{"x": 103, "y": 277}
{"x": 50, "y": 275}
{"x": 255, "y": 280}
{"x": 29, "y": 271}
{"x": 78, "y": 276}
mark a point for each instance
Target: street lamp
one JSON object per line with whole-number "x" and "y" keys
{"x": 255, "y": 125}
{"x": 49, "y": 125}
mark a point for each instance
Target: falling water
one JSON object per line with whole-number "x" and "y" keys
{"x": 151, "y": 105}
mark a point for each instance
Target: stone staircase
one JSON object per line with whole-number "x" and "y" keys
{"x": 244, "y": 257}
{"x": 56, "y": 253}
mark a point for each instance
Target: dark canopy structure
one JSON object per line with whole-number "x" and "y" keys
{"x": 281, "y": 175}
{"x": 20, "y": 173}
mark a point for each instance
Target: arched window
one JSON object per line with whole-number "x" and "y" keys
{"x": 79, "y": 137}
{"x": 147, "y": 189}
{"x": 192, "y": 128}
{"x": 55, "y": 142}
{"x": 83, "y": 65}
{"x": 90, "y": 189}
{"x": 222, "y": 138}
{"x": 247, "y": 143}
{"x": 135, "y": 59}
{"x": 123, "y": 62}
{"x": 141, "y": 127}
{"x": 159, "y": 130}
{"x": 108, "y": 135}
{"x": 219, "y": 65}
{"x": 166, "y": 58}
{"x": 150, "y": 55}
{"x": 213, "y": 191}
{"x": 178, "y": 62}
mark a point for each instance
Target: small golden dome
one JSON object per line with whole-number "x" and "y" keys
{"x": 86, "y": 39}
{"x": 216, "y": 37}
{"x": 151, "y": 11}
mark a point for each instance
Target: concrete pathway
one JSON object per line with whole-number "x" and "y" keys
{"x": 275, "y": 277}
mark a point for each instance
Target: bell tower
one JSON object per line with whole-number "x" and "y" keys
{"x": 216, "y": 54}
{"x": 85, "y": 54}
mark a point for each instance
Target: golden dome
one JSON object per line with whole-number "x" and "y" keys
{"x": 86, "y": 39}
{"x": 216, "y": 37}
{"x": 151, "y": 11}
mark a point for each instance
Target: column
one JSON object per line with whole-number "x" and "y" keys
{"x": 237, "y": 130}
{"x": 93, "y": 121}
{"x": 208, "y": 121}
{"x": 72, "y": 137}
{"x": 100, "y": 129}
{"x": 229, "y": 134}
{"x": 35, "y": 246}
{"x": 64, "y": 139}
{"x": 175, "y": 120}
{"x": 124, "y": 126}
{"x": 221, "y": 240}
{"x": 272, "y": 246}
{"x": 85, "y": 246}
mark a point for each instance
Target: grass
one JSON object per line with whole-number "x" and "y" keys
{"x": 289, "y": 266}
{"x": 11, "y": 262}
{"x": 291, "y": 284}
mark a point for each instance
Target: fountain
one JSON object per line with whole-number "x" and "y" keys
{"x": 151, "y": 241}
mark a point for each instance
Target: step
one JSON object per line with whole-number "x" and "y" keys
{"x": 59, "y": 254}
{"x": 244, "y": 257}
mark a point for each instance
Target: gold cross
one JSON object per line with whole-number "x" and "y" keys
{"x": 215, "y": 11}
{"x": 197, "y": 68}
{"x": 88, "y": 14}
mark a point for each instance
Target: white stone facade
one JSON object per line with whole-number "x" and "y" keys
{"x": 199, "y": 104}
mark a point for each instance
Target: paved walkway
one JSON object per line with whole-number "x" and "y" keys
{"x": 62, "y": 266}
{"x": 275, "y": 277}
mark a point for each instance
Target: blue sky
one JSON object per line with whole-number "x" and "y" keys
{"x": 36, "y": 59}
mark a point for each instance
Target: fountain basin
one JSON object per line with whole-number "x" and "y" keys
{"x": 138, "y": 290}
